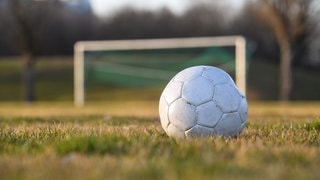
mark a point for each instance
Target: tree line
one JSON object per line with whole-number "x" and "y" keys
{"x": 280, "y": 30}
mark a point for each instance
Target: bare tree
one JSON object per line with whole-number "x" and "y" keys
{"x": 25, "y": 19}
{"x": 288, "y": 21}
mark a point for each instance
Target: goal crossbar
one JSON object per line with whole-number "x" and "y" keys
{"x": 144, "y": 44}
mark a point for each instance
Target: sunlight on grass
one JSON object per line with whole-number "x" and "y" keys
{"x": 102, "y": 141}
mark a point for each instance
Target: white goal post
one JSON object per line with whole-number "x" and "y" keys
{"x": 143, "y": 44}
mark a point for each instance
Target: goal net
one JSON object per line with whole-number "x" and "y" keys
{"x": 153, "y": 62}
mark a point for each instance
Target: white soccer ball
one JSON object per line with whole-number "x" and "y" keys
{"x": 202, "y": 101}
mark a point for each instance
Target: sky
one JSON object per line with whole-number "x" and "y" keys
{"x": 109, "y": 7}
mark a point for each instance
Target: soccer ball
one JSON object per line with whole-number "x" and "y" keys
{"x": 202, "y": 101}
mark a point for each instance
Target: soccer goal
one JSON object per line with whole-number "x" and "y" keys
{"x": 147, "y": 61}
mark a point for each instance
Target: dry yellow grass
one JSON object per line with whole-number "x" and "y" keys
{"x": 149, "y": 108}
{"x": 124, "y": 140}
{"x": 43, "y": 109}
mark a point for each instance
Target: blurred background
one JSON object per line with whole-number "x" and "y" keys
{"x": 37, "y": 39}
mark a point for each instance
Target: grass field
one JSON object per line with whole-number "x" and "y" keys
{"x": 124, "y": 140}
{"x": 117, "y": 135}
{"x": 54, "y": 82}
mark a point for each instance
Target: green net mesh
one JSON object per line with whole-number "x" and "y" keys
{"x": 151, "y": 67}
